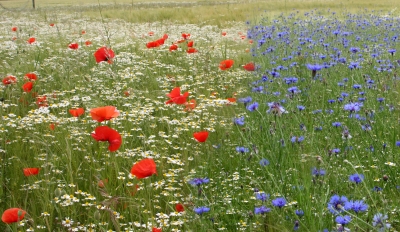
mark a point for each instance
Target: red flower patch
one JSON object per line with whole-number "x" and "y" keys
{"x": 176, "y": 96}
{"x": 104, "y": 54}
{"x": 144, "y": 168}
{"x": 201, "y": 136}
{"x": 31, "y": 171}
{"x": 105, "y": 133}
{"x": 104, "y": 113}
{"x": 13, "y": 215}
{"x": 226, "y": 64}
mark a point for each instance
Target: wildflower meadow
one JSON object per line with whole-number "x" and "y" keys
{"x": 288, "y": 122}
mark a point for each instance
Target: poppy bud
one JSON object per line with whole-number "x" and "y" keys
{"x": 57, "y": 192}
{"x": 385, "y": 178}
{"x": 97, "y": 215}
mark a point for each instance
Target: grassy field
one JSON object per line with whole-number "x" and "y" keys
{"x": 213, "y": 12}
{"x": 298, "y": 99}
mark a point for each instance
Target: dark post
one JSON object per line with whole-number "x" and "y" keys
{"x": 33, "y": 4}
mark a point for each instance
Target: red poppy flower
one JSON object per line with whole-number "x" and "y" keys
{"x": 231, "y": 99}
{"x": 191, "y": 50}
{"x": 88, "y": 42}
{"x": 105, "y": 133}
{"x": 223, "y": 33}
{"x": 31, "y": 76}
{"x": 77, "y": 112}
{"x": 102, "y": 183}
{"x": 185, "y": 36}
{"x": 27, "y": 87}
{"x": 249, "y": 66}
{"x": 157, "y": 43}
{"x": 73, "y": 46}
{"x": 179, "y": 207}
{"x": 156, "y": 229}
{"x": 190, "y": 44}
{"x": 13, "y": 215}
{"x": 52, "y": 126}
{"x": 151, "y": 33}
{"x": 83, "y": 32}
{"x": 104, "y": 54}
{"x": 201, "y": 136}
{"x": 41, "y": 101}
{"x": 9, "y": 80}
{"x": 152, "y": 44}
{"x": 226, "y": 64}
{"x": 31, "y": 40}
{"x": 144, "y": 168}
{"x": 173, "y": 47}
{"x": 250, "y": 41}
{"x": 31, "y": 171}
{"x": 189, "y": 106}
{"x": 51, "y": 24}
{"x": 104, "y": 113}
{"x": 14, "y": 28}
{"x": 176, "y": 96}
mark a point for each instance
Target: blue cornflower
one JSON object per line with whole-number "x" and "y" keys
{"x": 199, "y": 181}
{"x": 366, "y": 127}
{"x": 252, "y": 106}
{"x": 316, "y": 172}
{"x": 262, "y": 196}
{"x": 343, "y": 220}
{"x": 297, "y": 139}
{"x": 239, "y": 121}
{"x": 275, "y": 108}
{"x": 245, "y": 100}
{"x": 354, "y": 49}
{"x": 318, "y": 128}
{"x": 299, "y": 212}
{"x": 353, "y": 107}
{"x": 258, "y": 89}
{"x": 301, "y": 108}
{"x": 377, "y": 189}
{"x": 242, "y": 149}
{"x": 264, "y": 162}
{"x": 397, "y": 143}
{"x": 379, "y": 221}
{"x": 392, "y": 51}
{"x": 357, "y": 86}
{"x": 356, "y": 206}
{"x": 331, "y": 101}
{"x": 343, "y": 94}
{"x": 314, "y": 67}
{"x": 380, "y": 99}
{"x": 356, "y": 178}
{"x": 336, "y": 204}
{"x": 261, "y": 210}
{"x": 336, "y": 124}
{"x": 200, "y": 210}
{"x": 354, "y": 65}
{"x": 336, "y": 151}
{"x": 279, "y": 202}
{"x": 296, "y": 226}
{"x": 293, "y": 89}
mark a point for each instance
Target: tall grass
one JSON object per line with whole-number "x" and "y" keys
{"x": 82, "y": 185}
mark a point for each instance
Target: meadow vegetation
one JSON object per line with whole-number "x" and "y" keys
{"x": 286, "y": 117}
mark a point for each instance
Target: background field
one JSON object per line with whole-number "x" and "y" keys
{"x": 198, "y": 12}
{"x": 253, "y": 156}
